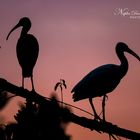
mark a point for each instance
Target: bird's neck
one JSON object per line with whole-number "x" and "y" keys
{"x": 24, "y": 31}
{"x": 124, "y": 63}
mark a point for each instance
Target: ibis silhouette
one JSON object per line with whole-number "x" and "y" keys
{"x": 103, "y": 80}
{"x": 27, "y": 49}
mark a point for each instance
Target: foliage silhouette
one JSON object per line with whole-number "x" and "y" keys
{"x": 2, "y": 132}
{"x": 36, "y": 122}
{"x": 61, "y": 84}
{"x": 58, "y": 115}
{"x": 5, "y": 97}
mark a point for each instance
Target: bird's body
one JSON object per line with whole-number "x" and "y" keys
{"x": 27, "y": 49}
{"x": 27, "y": 53}
{"x": 97, "y": 82}
{"x": 104, "y": 79}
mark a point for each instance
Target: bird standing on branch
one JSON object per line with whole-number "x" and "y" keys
{"x": 103, "y": 80}
{"x": 27, "y": 49}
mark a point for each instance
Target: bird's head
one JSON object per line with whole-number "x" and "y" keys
{"x": 24, "y": 22}
{"x": 122, "y": 47}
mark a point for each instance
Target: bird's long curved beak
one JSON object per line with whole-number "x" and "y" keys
{"x": 133, "y": 53}
{"x": 18, "y": 25}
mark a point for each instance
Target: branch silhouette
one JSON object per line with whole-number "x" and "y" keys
{"x": 99, "y": 126}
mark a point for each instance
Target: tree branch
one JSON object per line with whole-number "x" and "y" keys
{"x": 101, "y": 127}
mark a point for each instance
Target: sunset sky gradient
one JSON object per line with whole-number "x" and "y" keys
{"x": 75, "y": 36}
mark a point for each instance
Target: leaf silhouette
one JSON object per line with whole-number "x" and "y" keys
{"x": 4, "y": 98}
{"x": 56, "y": 86}
{"x": 64, "y": 83}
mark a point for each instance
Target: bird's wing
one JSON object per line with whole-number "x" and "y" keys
{"x": 27, "y": 50}
{"x": 27, "y": 53}
{"x": 101, "y": 80}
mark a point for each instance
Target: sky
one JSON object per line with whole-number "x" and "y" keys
{"x": 75, "y": 36}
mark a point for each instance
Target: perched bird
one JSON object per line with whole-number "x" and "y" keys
{"x": 103, "y": 79}
{"x": 27, "y": 49}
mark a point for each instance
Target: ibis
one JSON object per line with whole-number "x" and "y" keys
{"x": 27, "y": 49}
{"x": 103, "y": 79}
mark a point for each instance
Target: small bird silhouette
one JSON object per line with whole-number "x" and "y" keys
{"x": 103, "y": 79}
{"x": 27, "y": 49}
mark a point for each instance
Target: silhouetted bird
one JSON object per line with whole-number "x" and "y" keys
{"x": 27, "y": 49}
{"x": 103, "y": 79}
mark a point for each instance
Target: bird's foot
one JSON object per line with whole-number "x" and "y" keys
{"x": 21, "y": 87}
{"x": 97, "y": 118}
{"x": 33, "y": 90}
{"x": 104, "y": 121}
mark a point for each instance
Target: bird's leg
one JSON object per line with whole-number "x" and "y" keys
{"x": 103, "y": 106}
{"x": 94, "y": 111}
{"x": 33, "y": 89}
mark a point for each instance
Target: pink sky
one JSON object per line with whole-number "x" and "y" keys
{"x": 75, "y": 36}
